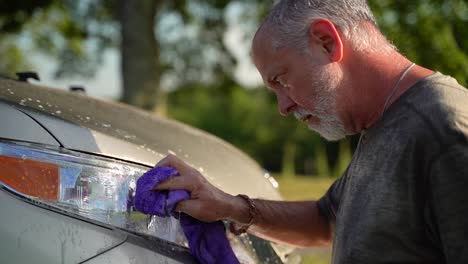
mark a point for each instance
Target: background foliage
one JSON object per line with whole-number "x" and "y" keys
{"x": 180, "y": 45}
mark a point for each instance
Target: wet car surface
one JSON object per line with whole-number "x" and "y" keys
{"x": 70, "y": 164}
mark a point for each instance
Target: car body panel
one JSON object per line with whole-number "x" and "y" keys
{"x": 88, "y": 140}
{"x": 17, "y": 125}
{"x": 120, "y": 131}
{"x": 48, "y": 237}
{"x": 129, "y": 253}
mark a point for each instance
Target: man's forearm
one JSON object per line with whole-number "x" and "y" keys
{"x": 296, "y": 223}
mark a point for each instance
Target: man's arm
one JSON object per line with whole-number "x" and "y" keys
{"x": 296, "y": 223}
{"x": 448, "y": 201}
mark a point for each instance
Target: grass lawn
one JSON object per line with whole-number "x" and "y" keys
{"x": 303, "y": 188}
{"x": 306, "y": 188}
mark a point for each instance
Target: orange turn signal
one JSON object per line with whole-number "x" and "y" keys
{"x": 31, "y": 177}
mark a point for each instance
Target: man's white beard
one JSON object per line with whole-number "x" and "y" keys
{"x": 330, "y": 126}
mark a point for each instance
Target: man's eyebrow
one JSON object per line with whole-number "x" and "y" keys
{"x": 271, "y": 79}
{"x": 276, "y": 73}
{"x": 270, "y": 82}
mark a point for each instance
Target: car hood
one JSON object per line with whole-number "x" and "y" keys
{"x": 85, "y": 124}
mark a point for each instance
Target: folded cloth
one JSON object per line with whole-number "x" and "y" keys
{"x": 153, "y": 202}
{"x": 207, "y": 241}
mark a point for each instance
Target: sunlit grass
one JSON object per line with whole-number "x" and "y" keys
{"x": 316, "y": 259}
{"x": 298, "y": 188}
{"x": 302, "y": 187}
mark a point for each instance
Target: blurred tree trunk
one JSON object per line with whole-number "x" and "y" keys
{"x": 344, "y": 157}
{"x": 321, "y": 159}
{"x": 289, "y": 158}
{"x": 139, "y": 52}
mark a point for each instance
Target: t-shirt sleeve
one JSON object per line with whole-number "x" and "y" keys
{"x": 449, "y": 199}
{"x": 329, "y": 203}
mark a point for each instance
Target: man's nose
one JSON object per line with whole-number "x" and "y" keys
{"x": 285, "y": 104}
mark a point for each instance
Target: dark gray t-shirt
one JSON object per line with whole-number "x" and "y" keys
{"x": 404, "y": 196}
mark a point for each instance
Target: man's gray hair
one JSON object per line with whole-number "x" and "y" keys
{"x": 290, "y": 19}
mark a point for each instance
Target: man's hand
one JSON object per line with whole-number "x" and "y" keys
{"x": 207, "y": 202}
{"x": 296, "y": 223}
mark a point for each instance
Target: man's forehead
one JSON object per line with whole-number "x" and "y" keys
{"x": 262, "y": 48}
{"x": 266, "y": 57}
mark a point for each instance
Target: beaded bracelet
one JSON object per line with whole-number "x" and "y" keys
{"x": 252, "y": 212}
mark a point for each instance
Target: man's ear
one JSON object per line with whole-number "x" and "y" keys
{"x": 323, "y": 33}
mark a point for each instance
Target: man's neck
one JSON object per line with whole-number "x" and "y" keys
{"x": 374, "y": 76}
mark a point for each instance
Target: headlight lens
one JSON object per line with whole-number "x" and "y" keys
{"x": 97, "y": 188}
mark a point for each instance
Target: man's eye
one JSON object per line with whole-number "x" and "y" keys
{"x": 277, "y": 80}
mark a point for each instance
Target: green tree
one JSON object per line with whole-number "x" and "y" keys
{"x": 430, "y": 32}
{"x": 13, "y": 16}
{"x": 181, "y": 42}
{"x": 249, "y": 119}
{"x": 181, "y": 37}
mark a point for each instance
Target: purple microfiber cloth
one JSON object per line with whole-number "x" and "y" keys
{"x": 207, "y": 241}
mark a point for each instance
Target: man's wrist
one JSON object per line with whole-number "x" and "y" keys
{"x": 253, "y": 212}
{"x": 239, "y": 211}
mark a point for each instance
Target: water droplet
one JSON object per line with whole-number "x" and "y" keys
{"x": 129, "y": 137}
{"x": 40, "y": 106}
{"x": 273, "y": 182}
{"x": 29, "y": 99}
{"x": 88, "y": 118}
{"x": 38, "y": 101}
{"x": 58, "y": 112}
{"x": 106, "y": 125}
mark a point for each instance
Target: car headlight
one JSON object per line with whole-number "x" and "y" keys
{"x": 93, "y": 187}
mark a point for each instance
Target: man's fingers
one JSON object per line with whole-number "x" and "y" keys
{"x": 176, "y": 183}
{"x": 182, "y": 206}
{"x": 176, "y": 163}
{"x": 190, "y": 207}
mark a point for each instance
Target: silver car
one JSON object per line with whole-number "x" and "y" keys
{"x": 68, "y": 167}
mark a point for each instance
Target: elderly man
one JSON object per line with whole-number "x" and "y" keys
{"x": 403, "y": 197}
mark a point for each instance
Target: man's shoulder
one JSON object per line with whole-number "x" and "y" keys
{"x": 438, "y": 93}
{"x": 437, "y": 107}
